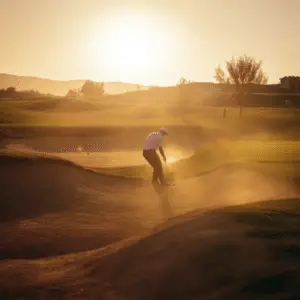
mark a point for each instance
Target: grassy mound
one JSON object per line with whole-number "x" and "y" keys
{"x": 240, "y": 252}
{"x": 276, "y": 157}
{"x": 51, "y": 206}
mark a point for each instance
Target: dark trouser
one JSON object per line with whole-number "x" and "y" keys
{"x": 153, "y": 159}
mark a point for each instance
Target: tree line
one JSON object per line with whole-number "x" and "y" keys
{"x": 240, "y": 71}
{"x": 89, "y": 89}
{"x": 11, "y": 92}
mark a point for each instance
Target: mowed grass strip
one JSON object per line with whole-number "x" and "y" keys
{"x": 278, "y": 156}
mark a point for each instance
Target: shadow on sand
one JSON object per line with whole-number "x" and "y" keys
{"x": 164, "y": 195}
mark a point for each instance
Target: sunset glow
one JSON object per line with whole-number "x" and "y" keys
{"x": 145, "y": 42}
{"x": 130, "y": 47}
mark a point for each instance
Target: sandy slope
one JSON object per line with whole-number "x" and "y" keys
{"x": 61, "y": 204}
{"x": 52, "y": 207}
{"x": 96, "y": 159}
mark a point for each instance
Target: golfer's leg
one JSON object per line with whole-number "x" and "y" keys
{"x": 154, "y": 176}
{"x": 161, "y": 174}
{"x": 153, "y": 164}
{"x": 150, "y": 157}
{"x": 159, "y": 170}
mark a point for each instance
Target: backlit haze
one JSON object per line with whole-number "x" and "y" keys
{"x": 146, "y": 42}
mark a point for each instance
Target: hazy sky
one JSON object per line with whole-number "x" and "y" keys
{"x": 147, "y": 42}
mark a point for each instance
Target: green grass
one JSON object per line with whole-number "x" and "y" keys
{"x": 134, "y": 111}
{"x": 271, "y": 144}
{"x": 270, "y": 134}
{"x": 26, "y": 113}
{"x": 280, "y": 157}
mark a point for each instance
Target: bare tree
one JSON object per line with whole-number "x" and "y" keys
{"x": 242, "y": 70}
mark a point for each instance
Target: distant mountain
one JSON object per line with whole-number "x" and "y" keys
{"x": 58, "y": 87}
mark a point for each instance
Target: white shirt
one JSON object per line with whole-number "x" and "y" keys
{"x": 153, "y": 141}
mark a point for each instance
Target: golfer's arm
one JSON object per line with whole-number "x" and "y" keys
{"x": 162, "y": 153}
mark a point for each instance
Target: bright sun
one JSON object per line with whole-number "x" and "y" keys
{"x": 132, "y": 46}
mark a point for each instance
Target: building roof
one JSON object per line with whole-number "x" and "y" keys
{"x": 290, "y": 77}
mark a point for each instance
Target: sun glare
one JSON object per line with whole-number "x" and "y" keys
{"x": 131, "y": 46}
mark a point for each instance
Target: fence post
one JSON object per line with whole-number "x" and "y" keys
{"x": 224, "y": 113}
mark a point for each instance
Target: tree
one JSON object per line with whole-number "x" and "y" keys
{"x": 91, "y": 88}
{"x": 242, "y": 70}
{"x": 11, "y": 90}
{"x": 182, "y": 81}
